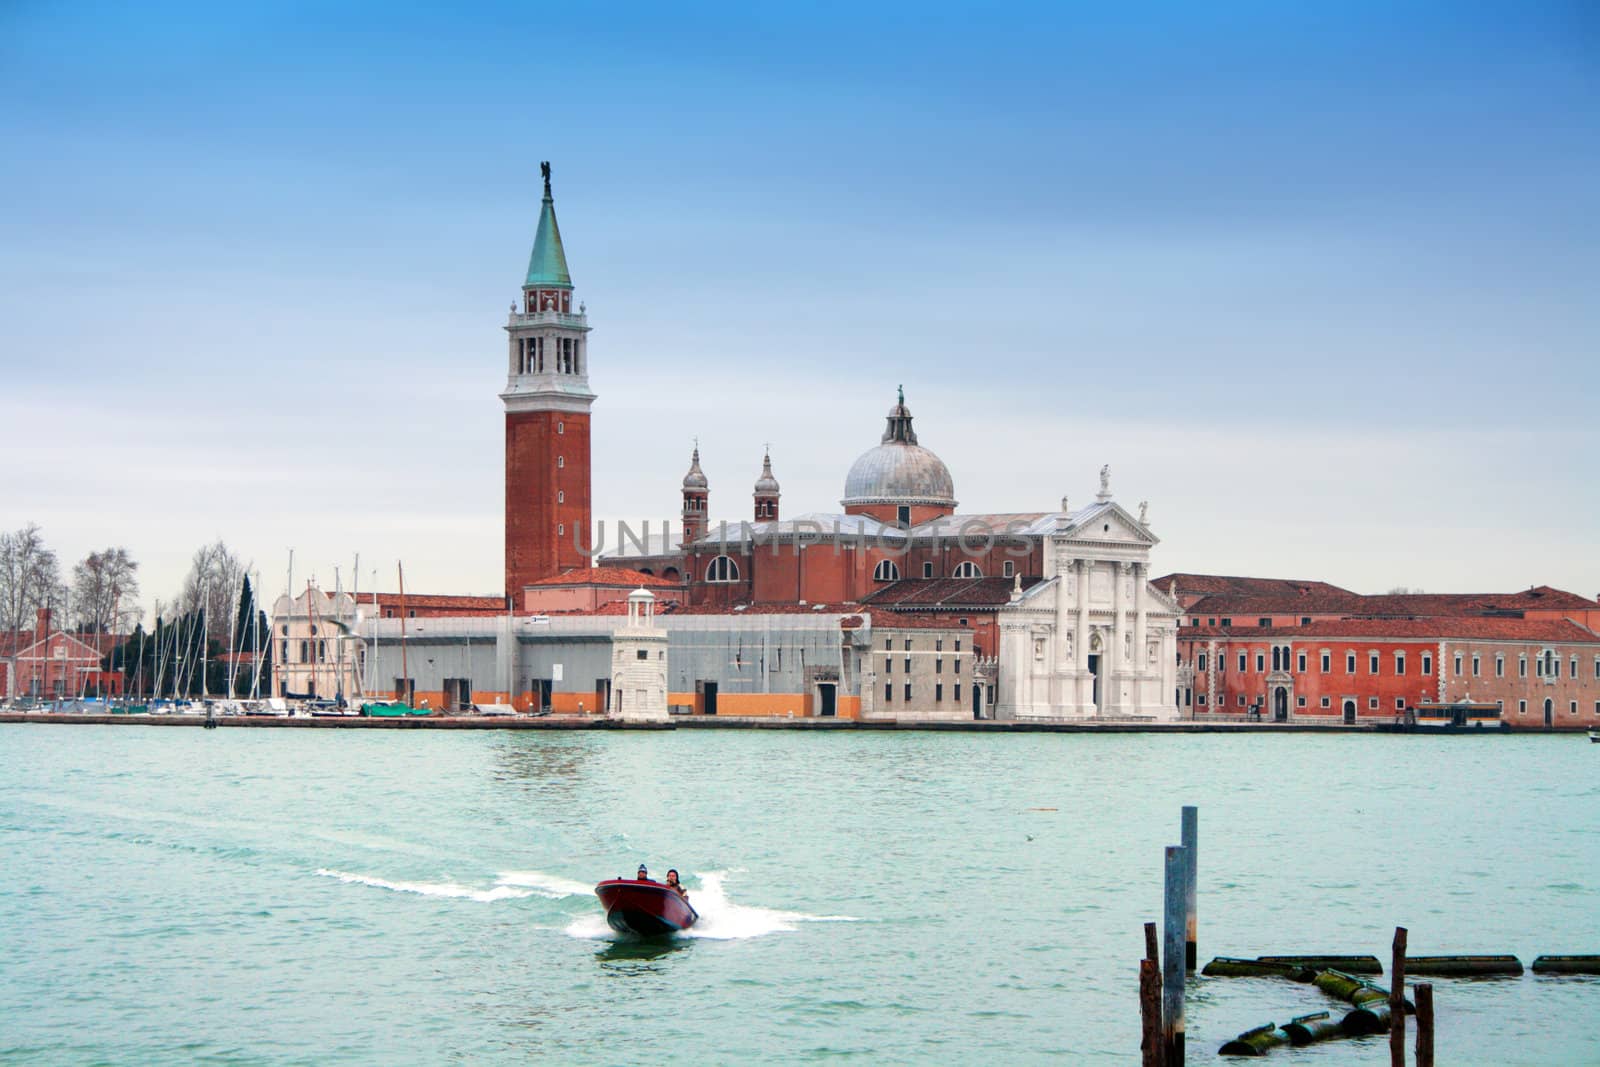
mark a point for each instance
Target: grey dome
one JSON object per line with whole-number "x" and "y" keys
{"x": 899, "y": 471}
{"x": 696, "y": 478}
{"x": 766, "y": 485}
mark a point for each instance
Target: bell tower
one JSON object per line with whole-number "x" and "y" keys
{"x": 696, "y": 494}
{"x": 547, "y": 399}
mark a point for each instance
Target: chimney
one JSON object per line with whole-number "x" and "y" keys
{"x": 41, "y": 625}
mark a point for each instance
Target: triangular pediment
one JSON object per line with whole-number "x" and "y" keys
{"x": 1108, "y": 523}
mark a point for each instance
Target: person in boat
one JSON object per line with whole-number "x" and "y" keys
{"x": 643, "y": 875}
{"x": 675, "y": 885}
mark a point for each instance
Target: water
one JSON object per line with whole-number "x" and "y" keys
{"x": 332, "y": 896}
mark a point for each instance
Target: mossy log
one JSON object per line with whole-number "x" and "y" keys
{"x": 1255, "y": 1042}
{"x": 1306, "y": 1029}
{"x": 1229, "y": 967}
{"x": 1456, "y": 966}
{"x": 1373, "y": 1018}
{"x": 1352, "y": 989}
{"x": 1567, "y": 965}
{"x": 1347, "y": 964}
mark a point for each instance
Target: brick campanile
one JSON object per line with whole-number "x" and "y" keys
{"x": 547, "y": 400}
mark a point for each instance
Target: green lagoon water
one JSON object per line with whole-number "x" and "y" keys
{"x": 344, "y": 896}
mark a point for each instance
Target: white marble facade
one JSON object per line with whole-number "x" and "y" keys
{"x": 1094, "y": 640}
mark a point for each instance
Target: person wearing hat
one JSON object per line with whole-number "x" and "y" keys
{"x": 643, "y": 875}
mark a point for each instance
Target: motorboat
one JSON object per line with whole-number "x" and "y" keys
{"x": 643, "y": 906}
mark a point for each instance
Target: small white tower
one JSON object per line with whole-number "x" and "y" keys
{"x": 639, "y": 663}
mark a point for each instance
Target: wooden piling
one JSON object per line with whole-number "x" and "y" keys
{"x": 1172, "y": 945}
{"x": 1397, "y": 1001}
{"x": 1191, "y": 849}
{"x": 1425, "y": 1024}
{"x": 1152, "y": 945}
{"x": 1150, "y": 1041}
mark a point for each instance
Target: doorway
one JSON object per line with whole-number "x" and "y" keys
{"x": 1280, "y": 704}
{"x": 1349, "y": 712}
{"x": 457, "y": 694}
{"x": 540, "y": 690}
{"x": 1549, "y": 713}
{"x": 708, "y": 693}
{"x": 602, "y": 696}
{"x": 1094, "y": 670}
{"x": 827, "y": 696}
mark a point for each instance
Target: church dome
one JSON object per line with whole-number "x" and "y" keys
{"x": 899, "y": 471}
{"x": 696, "y": 478}
{"x": 766, "y": 485}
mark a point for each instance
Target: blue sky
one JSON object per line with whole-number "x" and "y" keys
{"x": 1316, "y": 280}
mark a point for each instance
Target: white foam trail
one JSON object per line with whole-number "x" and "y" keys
{"x": 431, "y": 889}
{"x": 552, "y": 886}
{"x": 720, "y": 918}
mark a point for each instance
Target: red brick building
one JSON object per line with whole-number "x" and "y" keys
{"x": 547, "y": 401}
{"x": 53, "y": 664}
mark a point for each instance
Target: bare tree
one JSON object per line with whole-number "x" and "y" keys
{"x": 212, "y": 586}
{"x": 29, "y": 577}
{"x": 105, "y": 590}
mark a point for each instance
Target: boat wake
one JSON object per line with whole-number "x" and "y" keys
{"x": 720, "y": 918}
{"x": 510, "y": 885}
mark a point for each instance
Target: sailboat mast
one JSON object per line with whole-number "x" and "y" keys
{"x": 405, "y": 669}
{"x": 338, "y": 637}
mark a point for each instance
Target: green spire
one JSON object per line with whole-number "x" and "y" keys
{"x": 547, "y": 267}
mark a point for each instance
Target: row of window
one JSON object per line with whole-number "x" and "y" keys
{"x": 888, "y": 571}
{"x": 938, "y": 643}
{"x": 1546, "y": 664}
{"x": 938, "y": 665}
{"x": 566, "y": 359}
{"x": 938, "y": 693}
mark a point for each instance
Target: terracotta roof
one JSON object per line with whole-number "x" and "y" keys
{"x": 1209, "y": 584}
{"x": 604, "y": 576}
{"x": 434, "y": 600}
{"x": 1460, "y": 627}
{"x": 902, "y": 621}
{"x": 1396, "y": 605}
{"x": 947, "y": 593}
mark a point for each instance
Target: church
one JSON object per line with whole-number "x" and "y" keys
{"x": 1057, "y": 600}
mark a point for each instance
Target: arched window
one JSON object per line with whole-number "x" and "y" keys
{"x": 561, "y": 496}
{"x": 561, "y": 461}
{"x": 722, "y": 569}
{"x": 670, "y": 572}
{"x": 966, "y": 569}
{"x": 886, "y": 571}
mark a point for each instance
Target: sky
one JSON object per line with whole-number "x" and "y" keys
{"x": 1318, "y": 281}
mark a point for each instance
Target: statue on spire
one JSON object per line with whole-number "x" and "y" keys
{"x": 544, "y": 170}
{"x": 902, "y": 396}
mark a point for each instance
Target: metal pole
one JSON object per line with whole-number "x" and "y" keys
{"x": 1191, "y": 850}
{"x": 1172, "y": 977}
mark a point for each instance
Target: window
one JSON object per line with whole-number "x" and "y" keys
{"x": 1574, "y": 707}
{"x": 1201, "y": 700}
{"x": 1399, "y": 663}
{"x": 908, "y": 664}
{"x": 1300, "y": 663}
{"x": 888, "y": 644}
{"x": 938, "y": 666}
{"x": 561, "y": 496}
{"x": 1427, "y": 663}
{"x": 957, "y": 696}
{"x": 1372, "y": 663}
{"x": 938, "y": 644}
{"x": 958, "y": 665}
{"x": 967, "y": 569}
{"x": 1399, "y": 703}
{"x": 561, "y": 529}
{"x": 1264, "y": 622}
{"x": 908, "y": 691}
{"x": 561, "y": 427}
{"x": 1475, "y": 671}
{"x": 1499, "y": 666}
{"x": 1326, "y": 702}
{"x": 1261, "y": 661}
{"x": 1242, "y": 662}
{"x": 888, "y": 692}
{"x": 902, "y": 515}
{"x": 938, "y": 694}
{"x": 1305, "y": 620}
{"x": 958, "y": 643}
{"x": 561, "y": 461}
{"x": 1522, "y": 666}
{"x": 888, "y": 665}
{"x": 1458, "y": 664}
{"x": 1522, "y": 707}
{"x": 1227, "y": 622}
{"x": 1326, "y": 666}
{"x": 886, "y": 571}
{"x": 1241, "y": 700}
{"x": 1597, "y": 667}
{"x": 1300, "y": 702}
{"x": 1202, "y": 663}
{"x": 642, "y": 654}
{"x": 1008, "y": 569}
{"x": 1573, "y": 673}
{"x": 908, "y": 644}
{"x": 927, "y": 570}
{"x": 722, "y": 569}
{"x": 1372, "y": 702}
{"x": 1349, "y": 663}
{"x": 305, "y": 651}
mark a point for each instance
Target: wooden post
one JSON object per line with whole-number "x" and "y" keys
{"x": 1191, "y": 850}
{"x": 1150, "y": 1041}
{"x": 1397, "y": 1001}
{"x": 1424, "y": 1024}
{"x": 1152, "y": 945}
{"x": 1172, "y": 970}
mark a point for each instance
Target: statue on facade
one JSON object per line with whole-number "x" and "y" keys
{"x": 544, "y": 171}
{"x": 1144, "y": 512}
{"x": 1105, "y": 484}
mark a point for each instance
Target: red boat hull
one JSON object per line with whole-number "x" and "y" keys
{"x": 634, "y": 907}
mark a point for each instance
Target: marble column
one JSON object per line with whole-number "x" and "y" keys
{"x": 1141, "y": 658}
